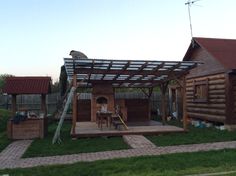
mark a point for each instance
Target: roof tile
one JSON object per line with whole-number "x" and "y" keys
{"x": 27, "y": 85}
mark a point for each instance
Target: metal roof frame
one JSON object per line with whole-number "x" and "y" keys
{"x": 126, "y": 73}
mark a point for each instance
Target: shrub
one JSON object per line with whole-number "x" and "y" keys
{"x": 4, "y": 116}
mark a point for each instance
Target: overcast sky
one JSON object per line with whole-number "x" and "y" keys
{"x": 35, "y": 35}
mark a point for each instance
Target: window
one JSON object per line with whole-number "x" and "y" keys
{"x": 201, "y": 91}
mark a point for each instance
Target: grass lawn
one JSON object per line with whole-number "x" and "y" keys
{"x": 169, "y": 165}
{"x": 4, "y": 116}
{"x": 44, "y": 147}
{"x": 194, "y": 136}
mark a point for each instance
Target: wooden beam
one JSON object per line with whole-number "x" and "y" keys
{"x": 125, "y": 72}
{"x": 185, "y": 115}
{"x": 74, "y": 110}
{"x": 229, "y": 100}
{"x": 14, "y": 107}
{"x": 43, "y": 104}
{"x": 163, "y": 88}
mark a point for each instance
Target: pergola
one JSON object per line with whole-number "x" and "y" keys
{"x": 129, "y": 74}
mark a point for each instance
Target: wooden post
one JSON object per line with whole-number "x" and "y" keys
{"x": 163, "y": 88}
{"x": 177, "y": 102}
{"x": 150, "y": 90}
{"x": 229, "y": 120}
{"x": 13, "y": 104}
{"x": 170, "y": 100}
{"x": 74, "y": 107}
{"x": 43, "y": 104}
{"x": 185, "y": 116}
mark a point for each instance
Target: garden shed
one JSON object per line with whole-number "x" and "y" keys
{"x": 211, "y": 87}
{"x": 34, "y": 125}
{"x": 103, "y": 77}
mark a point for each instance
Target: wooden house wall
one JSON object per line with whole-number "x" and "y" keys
{"x": 132, "y": 109}
{"x": 215, "y": 108}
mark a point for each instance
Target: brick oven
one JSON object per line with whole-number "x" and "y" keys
{"x": 102, "y": 95}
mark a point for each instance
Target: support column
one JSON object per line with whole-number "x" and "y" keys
{"x": 74, "y": 107}
{"x": 13, "y": 104}
{"x": 150, "y": 90}
{"x": 177, "y": 102}
{"x": 43, "y": 104}
{"x": 185, "y": 115}
{"x": 170, "y": 100}
{"x": 163, "y": 88}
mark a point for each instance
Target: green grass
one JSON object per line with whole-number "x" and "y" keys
{"x": 194, "y": 136}
{"x": 44, "y": 147}
{"x": 4, "y": 116}
{"x": 169, "y": 165}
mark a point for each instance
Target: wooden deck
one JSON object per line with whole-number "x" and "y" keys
{"x": 90, "y": 129}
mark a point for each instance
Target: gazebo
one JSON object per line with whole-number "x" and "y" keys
{"x": 30, "y": 128}
{"x": 104, "y": 76}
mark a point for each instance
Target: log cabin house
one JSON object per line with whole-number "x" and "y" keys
{"x": 211, "y": 87}
{"x": 103, "y": 77}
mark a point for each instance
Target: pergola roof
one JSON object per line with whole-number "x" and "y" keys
{"x": 126, "y": 73}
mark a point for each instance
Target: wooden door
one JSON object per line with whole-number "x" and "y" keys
{"x": 84, "y": 110}
{"x": 137, "y": 110}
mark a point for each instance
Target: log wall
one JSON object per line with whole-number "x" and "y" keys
{"x": 214, "y": 109}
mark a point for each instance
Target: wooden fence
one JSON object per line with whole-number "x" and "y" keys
{"x": 33, "y": 101}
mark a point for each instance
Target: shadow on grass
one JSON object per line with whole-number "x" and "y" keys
{"x": 44, "y": 147}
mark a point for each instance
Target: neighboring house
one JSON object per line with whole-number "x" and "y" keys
{"x": 211, "y": 87}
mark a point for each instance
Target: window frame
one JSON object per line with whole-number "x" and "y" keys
{"x": 201, "y": 83}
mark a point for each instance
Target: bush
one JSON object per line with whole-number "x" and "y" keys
{"x": 4, "y": 116}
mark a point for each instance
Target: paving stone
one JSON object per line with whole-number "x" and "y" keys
{"x": 13, "y": 160}
{"x": 138, "y": 141}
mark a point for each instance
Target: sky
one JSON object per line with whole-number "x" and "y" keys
{"x": 35, "y": 35}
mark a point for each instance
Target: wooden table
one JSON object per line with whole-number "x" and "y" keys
{"x": 101, "y": 116}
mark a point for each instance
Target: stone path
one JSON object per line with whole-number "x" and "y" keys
{"x": 138, "y": 141}
{"x": 10, "y": 157}
{"x": 13, "y": 152}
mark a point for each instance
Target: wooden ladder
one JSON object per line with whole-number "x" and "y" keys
{"x": 64, "y": 107}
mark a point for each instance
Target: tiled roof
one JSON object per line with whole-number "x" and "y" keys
{"x": 27, "y": 85}
{"x": 223, "y": 50}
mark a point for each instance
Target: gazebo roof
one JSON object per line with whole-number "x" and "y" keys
{"x": 27, "y": 85}
{"x": 126, "y": 73}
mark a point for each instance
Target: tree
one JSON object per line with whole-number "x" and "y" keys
{"x": 3, "y": 79}
{"x": 63, "y": 81}
{"x": 55, "y": 87}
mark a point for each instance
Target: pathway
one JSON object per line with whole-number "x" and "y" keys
{"x": 10, "y": 157}
{"x": 138, "y": 141}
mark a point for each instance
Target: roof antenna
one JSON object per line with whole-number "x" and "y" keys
{"x": 189, "y": 3}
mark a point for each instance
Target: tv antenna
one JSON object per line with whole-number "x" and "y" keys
{"x": 190, "y": 3}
